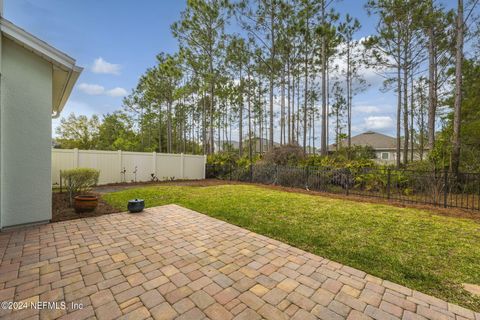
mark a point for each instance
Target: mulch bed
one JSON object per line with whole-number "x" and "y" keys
{"x": 61, "y": 210}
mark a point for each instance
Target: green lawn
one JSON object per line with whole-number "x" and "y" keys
{"x": 430, "y": 253}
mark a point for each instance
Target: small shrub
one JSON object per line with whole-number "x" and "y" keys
{"x": 79, "y": 180}
{"x": 360, "y": 165}
{"x": 422, "y": 166}
{"x": 225, "y": 158}
{"x": 371, "y": 181}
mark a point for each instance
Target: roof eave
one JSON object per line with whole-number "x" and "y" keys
{"x": 67, "y": 90}
{"x": 47, "y": 52}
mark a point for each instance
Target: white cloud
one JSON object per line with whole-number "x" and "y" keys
{"x": 96, "y": 90}
{"x": 91, "y": 89}
{"x": 366, "y": 109}
{"x": 378, "y": 123}
{"x": 102, "y": 66}
{"x": 117, "y": 92}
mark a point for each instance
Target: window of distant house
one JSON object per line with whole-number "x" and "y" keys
{"x": 385, "y": 155}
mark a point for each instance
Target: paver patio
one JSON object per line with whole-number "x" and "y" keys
{"x": 170, "y": 262}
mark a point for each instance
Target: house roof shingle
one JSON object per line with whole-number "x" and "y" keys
{"x": 377, "y": 141}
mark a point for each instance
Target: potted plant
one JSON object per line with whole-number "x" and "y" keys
{"x": 78, "y": 183}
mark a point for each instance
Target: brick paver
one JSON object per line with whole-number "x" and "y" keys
{"x": 170, "y": 262}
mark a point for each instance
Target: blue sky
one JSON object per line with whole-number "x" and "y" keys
{"x": 117, "y": 40}
{"x": 128, "y": 34}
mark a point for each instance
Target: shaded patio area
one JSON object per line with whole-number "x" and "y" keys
{"x": 170, "y": 262}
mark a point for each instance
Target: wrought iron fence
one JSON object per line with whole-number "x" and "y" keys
{"x": 437, "y": 188}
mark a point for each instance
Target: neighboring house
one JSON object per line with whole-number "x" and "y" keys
{"x": 36, "y": 81}
{"x": 385, "y": 146}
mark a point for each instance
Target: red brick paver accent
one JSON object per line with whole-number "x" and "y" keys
{"x": 169, "y": 262}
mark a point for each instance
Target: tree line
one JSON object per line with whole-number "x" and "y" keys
{"x": 272, "y": 71}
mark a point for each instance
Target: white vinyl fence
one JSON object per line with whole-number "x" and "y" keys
{"x": 122, "y": 166}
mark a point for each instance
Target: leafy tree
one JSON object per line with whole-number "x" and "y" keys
{"x": 116, "y": 133}
{"x": 78, "y": 132}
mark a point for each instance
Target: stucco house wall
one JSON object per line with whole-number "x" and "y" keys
{"x": 26, "y": 97}
{"x": 392, "y": 156}
{"x": 36, "y": 80}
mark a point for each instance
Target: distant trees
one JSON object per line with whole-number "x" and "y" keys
{"x": 258, "y": 71}
{"x": 78, "y": 131}
{"x": 200, "y": 32}
{"x": 351, "y": 54}
{"x": 397, "y": 46}
{"x": 339, "y": 106}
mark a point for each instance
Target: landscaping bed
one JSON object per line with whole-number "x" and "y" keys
{"x": 428, "y": 252}
{"x": 62, "y": 211}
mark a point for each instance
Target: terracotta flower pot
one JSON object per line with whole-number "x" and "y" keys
{"x": 85, "y": 203}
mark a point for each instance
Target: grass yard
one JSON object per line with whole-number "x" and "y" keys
{"x": 423, "y": 251}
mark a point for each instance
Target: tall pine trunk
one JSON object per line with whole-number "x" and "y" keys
{"x": 282, "y": 110}
{"x": 305, "y": 105}
{"x": 272, "y": 60}
{"x": 324, "y": 88}
{"x": 293, "y": 110}
{"x": 204, "y": 124}
{"x": 406, "y": 132}
{"x": 432, "y": 94}
{"x": 399, "y": 104}
{"x": 169, "y": 127}
{"x": 240, "y": 118}
{"x": 349, "y": 99}
{"x": 159, "y": 128}
{"x": 412, "y": 131}
{"x": 455, "y": 157}
{"x": 250, "y": 149}
{"x": 289, "y": 126}
{"x": 212, "y": 107}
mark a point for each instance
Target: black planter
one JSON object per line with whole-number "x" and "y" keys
{"x": 136, "y": 205}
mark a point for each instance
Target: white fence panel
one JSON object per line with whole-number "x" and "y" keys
{"x": 61, "y": 160}
{"x": 136, "y": 166}
{"x": 194, "y": 167}
{"x": 102, "y": 161}
{"x": 168, "y": 166}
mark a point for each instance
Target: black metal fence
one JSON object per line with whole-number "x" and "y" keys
{"x": 437, "y": 188}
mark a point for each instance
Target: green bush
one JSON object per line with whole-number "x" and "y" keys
{"x": 287, "y": 155}
{"x": 79, "y": 180}
{"x": 338, "y": 162}
{"x": 355, "y": 152}
{"x": 225, "y": 158}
